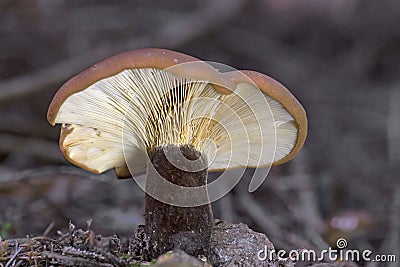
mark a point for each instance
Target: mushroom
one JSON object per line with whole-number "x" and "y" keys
{"x": 174, "y": 118}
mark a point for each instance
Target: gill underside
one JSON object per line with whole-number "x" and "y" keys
{"x": 125, "y": 116}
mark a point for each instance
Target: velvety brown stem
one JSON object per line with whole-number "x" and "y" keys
{"x": 171, "y": 226}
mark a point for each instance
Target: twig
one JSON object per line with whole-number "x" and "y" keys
{"x": 258, "y": 213}
{"x": 20, "y": 124}
{"x": 17, "y": 251}
{"x": 307, "y": 209}
{"x": 83, "y": 253}
{"x": 66, "y": 170}
{"x": 73, "y": 261}
{"x": 32, "y": 146}
{"x": 171, "y": 34}
{"x": 302, "y": 203}
{"x": 291, "y": 62}
{"x": 111, "y": 257}
{"x": 391, "y": 242}
{"x": 48, "y": 229}
{"x": 190, "y": 26}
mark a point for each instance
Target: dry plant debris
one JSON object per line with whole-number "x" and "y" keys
{"x": 232, "y": 245}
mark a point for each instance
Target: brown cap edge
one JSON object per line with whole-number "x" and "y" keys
{"x": 141, "y": 58}
{"x": 279, "y": 92}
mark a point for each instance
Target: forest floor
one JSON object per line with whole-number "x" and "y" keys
{"x": 340, "y": 59}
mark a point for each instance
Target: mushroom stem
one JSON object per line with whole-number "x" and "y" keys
{"x": 172, "y": 226}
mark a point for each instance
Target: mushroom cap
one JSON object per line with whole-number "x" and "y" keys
{"x": 151, "y": 97}
{"x": 135, "y": 59}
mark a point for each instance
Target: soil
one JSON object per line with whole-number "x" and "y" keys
{"x": 231, "y": 245}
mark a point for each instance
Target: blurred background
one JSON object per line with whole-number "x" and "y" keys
{"x": 340, "y": 58}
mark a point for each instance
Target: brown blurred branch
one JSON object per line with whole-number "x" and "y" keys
{"x": 52, "y": 170}
{"x": 172, "y": 34}
{"x": 316, "y": 73}
{"x": 31, "y": 146}
{"x": 391, "y": 241}
{"x": 281, "y": 237}
{"x": 26, "y": 85}
{"x": 13, "y": 122}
